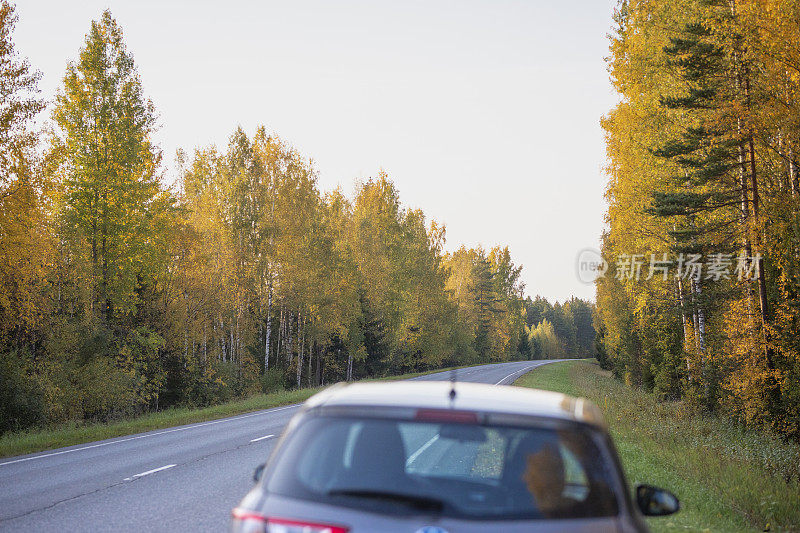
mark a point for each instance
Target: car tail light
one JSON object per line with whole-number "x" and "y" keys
{"x": 251, "y": 522}
{"x": 447, "y": 415}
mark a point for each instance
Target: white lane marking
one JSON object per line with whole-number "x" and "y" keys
{"x": 517, "y": 372}
{"x": 413, "y": 456}
{"x": 262, "y": 438}
{"x": 153, "y": 471}
{"x": 220, "y": 421}
{"x": 540, "y": 363}
{"x": 53, "y": 454}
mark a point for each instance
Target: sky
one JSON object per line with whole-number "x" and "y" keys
{"x": 485, "y": 114}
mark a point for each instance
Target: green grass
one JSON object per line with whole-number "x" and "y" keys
{"x": 17, "y": 443}
{"x": 728, "y": 478}
{"x": 37, "y": 440}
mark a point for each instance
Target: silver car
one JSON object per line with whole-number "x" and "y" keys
{"x": 437, "y": 457}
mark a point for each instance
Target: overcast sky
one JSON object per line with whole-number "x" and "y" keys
{"x": 484, "y": 114}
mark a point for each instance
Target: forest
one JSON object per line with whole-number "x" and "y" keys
{"x": 703, "y": 163}
{"x": 122, "y": 294}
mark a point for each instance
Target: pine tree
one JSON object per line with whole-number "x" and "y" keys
{"x": 486, "y": 304}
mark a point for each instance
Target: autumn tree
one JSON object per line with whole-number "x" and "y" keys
{"x": 120, "y": 295}
{"x": 25, "y": 243}
{"x": 702, "y": 161}
{"x": 108, "y": 165}
{"x": 111, "y": 217}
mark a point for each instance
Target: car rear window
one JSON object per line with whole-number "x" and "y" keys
{"x": 459, "y": 470}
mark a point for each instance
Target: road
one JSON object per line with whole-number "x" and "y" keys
{"x": 182, "y": 478}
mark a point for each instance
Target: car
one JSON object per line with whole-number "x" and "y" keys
{"x": 441, "y": 457}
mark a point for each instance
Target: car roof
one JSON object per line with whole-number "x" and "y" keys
{"x": 469, "y": 397}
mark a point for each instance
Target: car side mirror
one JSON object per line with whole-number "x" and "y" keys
{"x": 259, "y": 472}
{"x": 653, "y": 501}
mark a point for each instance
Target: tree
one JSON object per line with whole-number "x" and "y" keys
{"x": 583, "y": 317}
{"x": 25, "y": 244}
{"x": 536, "y": 310}
{"x": 19, "y": 104}
{"x": 119, "y": 295}
{"x": 702, "y": 159}
{"x": 486, "y": 302}
{"x": 544, "y": 337}
{"x": 108, "y": 161}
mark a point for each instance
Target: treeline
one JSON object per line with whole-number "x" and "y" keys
{"x": 120, "y": 295}
{"x": 703, "y": 158}
{"x": 560, "y": 331}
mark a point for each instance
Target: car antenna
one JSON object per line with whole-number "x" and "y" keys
{"x": 453, "y": 376}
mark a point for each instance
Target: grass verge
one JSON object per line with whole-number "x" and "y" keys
{"x": 728, "y": 478}
{"x": 23, "y": 442}
{"x": 69, "y": 434}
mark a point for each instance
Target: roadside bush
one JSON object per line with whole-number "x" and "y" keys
{"x": 272, "y": 381}
{"x": 21, "y": 402}
{"x": 106, "y": 392}
{"x": 204, "y": 386}
{"x": 139, "y": 359}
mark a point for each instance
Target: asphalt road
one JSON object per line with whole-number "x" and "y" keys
{"x": 182, "y": 478}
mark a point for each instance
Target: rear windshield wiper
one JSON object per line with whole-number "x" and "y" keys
{"x": 421, "y": 502}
